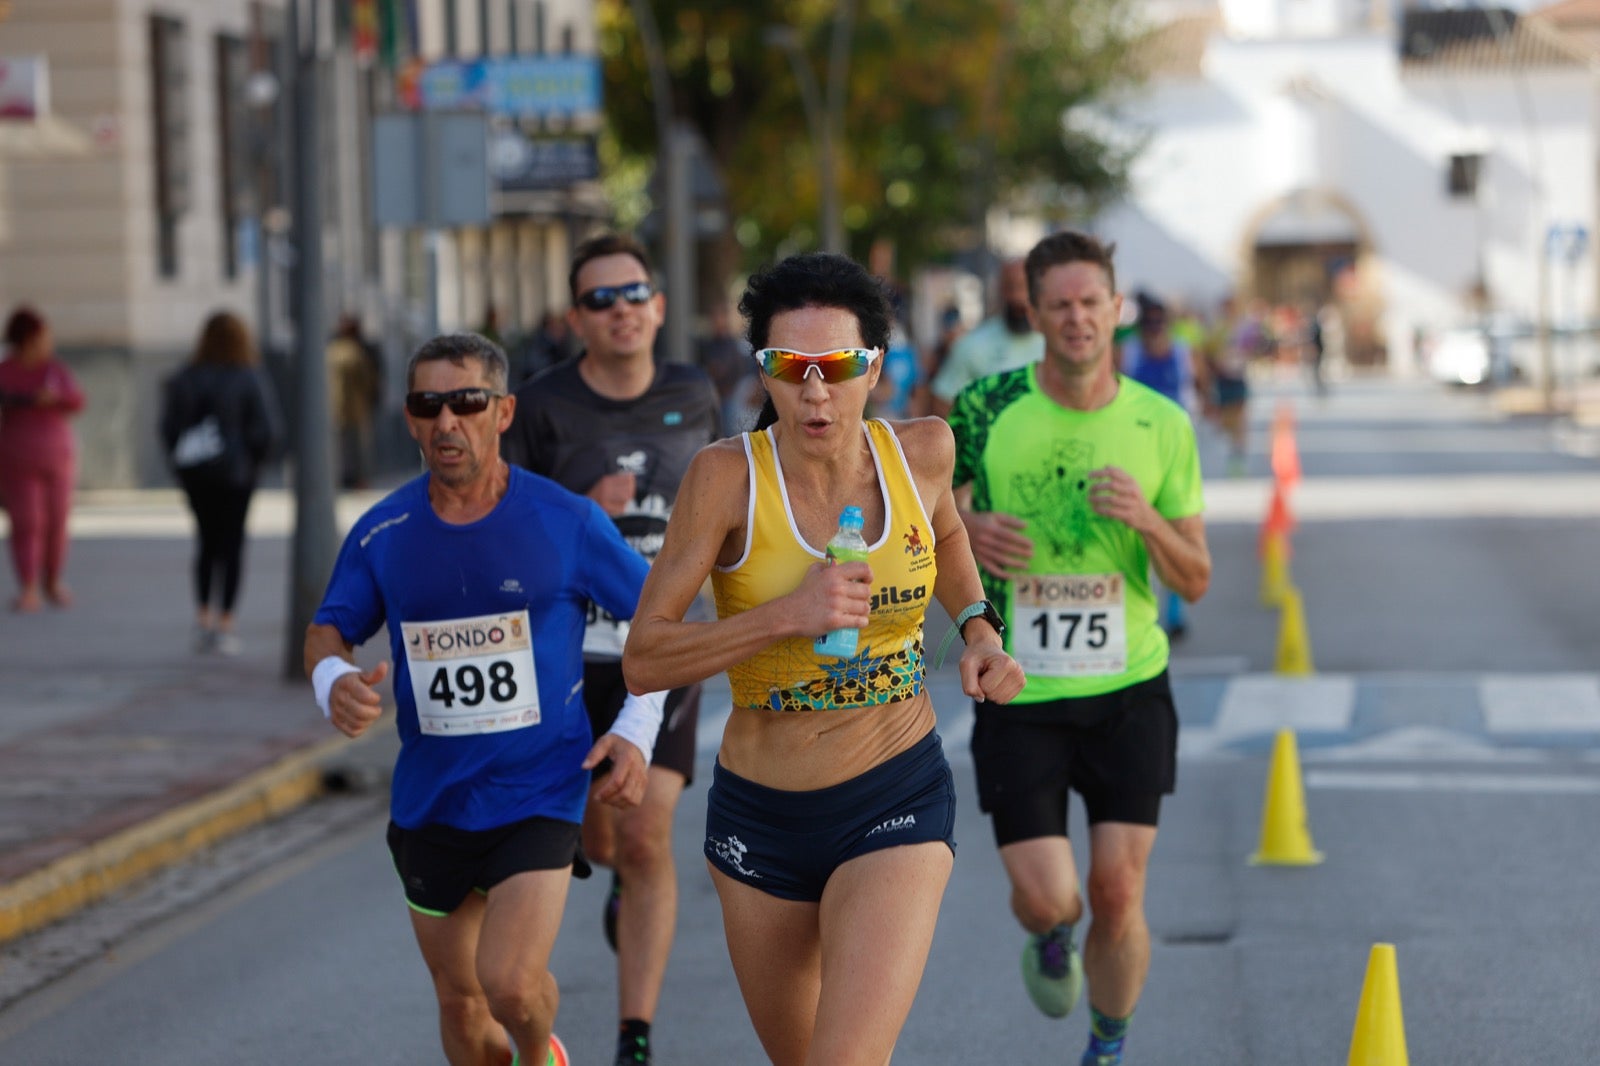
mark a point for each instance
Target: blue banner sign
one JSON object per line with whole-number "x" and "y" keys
{"x": 527, "y": 87}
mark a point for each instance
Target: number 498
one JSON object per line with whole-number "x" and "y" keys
{"x": 469, "y": 687}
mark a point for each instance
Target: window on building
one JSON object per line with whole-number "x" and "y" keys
{"x": 567, "y": 39}
{"x": 539, "y": 47}
{"x": 233, "y": 146}
{"x": 169, "y": 71}
{"x": 1463, "y": 178}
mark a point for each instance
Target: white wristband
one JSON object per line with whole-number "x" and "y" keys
{"x": 639, "y": 721}
{"x": 324, "y": 674}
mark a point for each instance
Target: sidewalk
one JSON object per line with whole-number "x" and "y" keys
{"x": 121, "y": 749}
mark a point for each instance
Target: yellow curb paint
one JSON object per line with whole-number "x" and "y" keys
{"x": 94, "y": 872}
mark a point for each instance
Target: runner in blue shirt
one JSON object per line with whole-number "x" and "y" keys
{"x": 482, "y": 575}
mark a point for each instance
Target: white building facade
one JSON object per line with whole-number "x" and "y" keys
{"x": 152, "y": 193}
{"x": 1424, "y": 169}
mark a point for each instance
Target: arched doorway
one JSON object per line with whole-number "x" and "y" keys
{"x": 1310, "y": 249}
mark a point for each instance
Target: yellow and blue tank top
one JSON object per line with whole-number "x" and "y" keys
{"x": 887, "y": 666}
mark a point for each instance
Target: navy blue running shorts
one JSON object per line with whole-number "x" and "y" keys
{"x": 440, "y": 864}
{"x": 788, "y": 843}
{"x": 1119, "y": 751}
{"x": 603, "y": 692}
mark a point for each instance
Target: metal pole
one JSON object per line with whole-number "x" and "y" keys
{"x": 1502, "y": 33}
{"x": 680, "y": 246}
{"x": 315, "y": 543}
{"x": 676, "y": 233}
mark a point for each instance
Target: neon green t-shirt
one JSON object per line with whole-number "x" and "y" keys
{"x": 1083, "y": 620}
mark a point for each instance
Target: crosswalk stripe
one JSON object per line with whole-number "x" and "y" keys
{"x": 1437, "y": 781}
{"x": 1540, "y": 704}
{"x": 1264, "y": 703}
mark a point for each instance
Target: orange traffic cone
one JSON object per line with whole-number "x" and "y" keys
{"x": 1285, "y": 837}
{"x": 1279, "y": 519}
{"x": 1379, "y": 1038}
{"x": 1285, "y": 456}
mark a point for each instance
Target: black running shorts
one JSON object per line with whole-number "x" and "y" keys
{"x": 440, "y": 864}
{"x": 788, "y": 843}
{"x": 1118, "y": 751}
{"x": 604, "y": 690}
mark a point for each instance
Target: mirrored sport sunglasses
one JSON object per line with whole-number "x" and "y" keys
{"x": 831, "y": 367}
{"x": 460, "y": 401}
{"x": 599, "y": 299}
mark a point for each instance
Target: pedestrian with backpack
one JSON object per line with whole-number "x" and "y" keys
{"x": 219, "y": 425}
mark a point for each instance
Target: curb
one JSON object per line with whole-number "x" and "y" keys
{"x": 95, "y": 871}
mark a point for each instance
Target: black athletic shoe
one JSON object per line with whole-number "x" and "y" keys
{"x": 609, "y": 918}
{"x": 633, "y": 1051}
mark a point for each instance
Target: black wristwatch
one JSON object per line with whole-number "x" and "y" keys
{"x": 985, "y": 610}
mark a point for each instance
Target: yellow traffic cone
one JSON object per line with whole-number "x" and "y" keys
{"x": 1294, "y": 650}
{"x": 1285, "y": 837}
{"x": 1274, "y": 568}
{"x": 1380, "y": 1033}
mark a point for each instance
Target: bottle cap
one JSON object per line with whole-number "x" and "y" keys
{"x": 851, "y": 516}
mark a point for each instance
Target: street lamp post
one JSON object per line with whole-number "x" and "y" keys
{"x": 824, "y": 117}
{"x": 314, "y": 544}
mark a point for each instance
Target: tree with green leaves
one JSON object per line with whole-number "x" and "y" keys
{"x": 949, "y": 108}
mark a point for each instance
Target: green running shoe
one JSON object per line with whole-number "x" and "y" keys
{"x": 1053, "y": 971}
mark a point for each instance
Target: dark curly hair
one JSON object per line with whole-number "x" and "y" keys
{"x": 23, "y": 325}
{"x": 816, "y": 279}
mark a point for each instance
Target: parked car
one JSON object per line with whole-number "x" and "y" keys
{"x": 1459, "y": 355}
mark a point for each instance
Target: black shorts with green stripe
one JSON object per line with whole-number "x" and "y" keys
{"x": 439, "y": 865}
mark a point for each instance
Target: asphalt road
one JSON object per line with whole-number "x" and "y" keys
{"x": 1451, "y": 746}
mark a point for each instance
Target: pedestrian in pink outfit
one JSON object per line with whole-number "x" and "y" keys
{"x": 38, "y": 456}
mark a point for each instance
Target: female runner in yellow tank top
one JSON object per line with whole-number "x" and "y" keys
{"x": 830, "y": 810}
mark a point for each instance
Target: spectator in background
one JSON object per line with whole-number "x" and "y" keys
{"x": 725, "y": 357}
{"x": 1003, "y": 341}
{"x": 1327, "y": 344}
{"x": 934, "y": 356}
{"x": 38, "y": 457}
{"x": 219, "y": 424}
{"x": 1153, "y": 357}
{"x": 892, "y": 396}
{"x": 546, "y": 346}
{"x": 1241, "y": 335}
{"x": 354, "y": 391}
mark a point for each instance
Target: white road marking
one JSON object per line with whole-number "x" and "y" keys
{"x": 1265, "y": 703}
{"x": 1434, "y": 781}
{"x": 1540, "y": 703}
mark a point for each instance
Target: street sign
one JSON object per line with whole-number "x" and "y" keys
{"x": 520, "y": 163}
{"x": 528, "y": 87}
{"x": 430, "y": 170}
{"x": 1566, "y": 240}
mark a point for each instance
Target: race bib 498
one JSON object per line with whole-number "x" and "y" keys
{"x": 472, "y": 675}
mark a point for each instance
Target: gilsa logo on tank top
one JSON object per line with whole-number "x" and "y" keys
{"x": 893, "y": 596}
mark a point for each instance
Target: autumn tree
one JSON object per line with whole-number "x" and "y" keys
{"x": 951, "y": 106}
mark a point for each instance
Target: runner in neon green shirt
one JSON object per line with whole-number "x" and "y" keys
{"x": 1079, "y": 481}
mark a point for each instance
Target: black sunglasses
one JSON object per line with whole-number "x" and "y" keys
{"x": 635, "y": 292}
{"x": 460, "y": 402}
